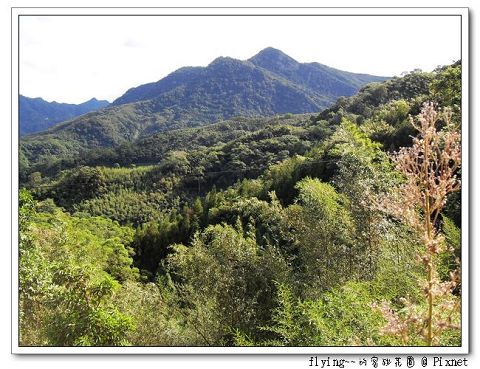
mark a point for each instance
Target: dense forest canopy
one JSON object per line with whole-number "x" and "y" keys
{"x": 284, "y": 230}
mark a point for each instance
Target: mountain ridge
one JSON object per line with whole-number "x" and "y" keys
{"x": 37, "y": 114}
{"x": 263, "y": 59}
{"x": 198, "y": 96}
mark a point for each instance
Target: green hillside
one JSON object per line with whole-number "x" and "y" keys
{"x": 269, "y": 83}
{"x": 37, "y": 115}
{"x": 288, "y": 230}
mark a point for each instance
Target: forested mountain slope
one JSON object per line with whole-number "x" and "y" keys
{"x": 153, "y": 149}
{"x": 269, "y": 83}
{"x": 274, "y": 75}
{"x": 36, "y": 114}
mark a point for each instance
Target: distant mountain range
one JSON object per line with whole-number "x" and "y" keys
{"x": 38, "y": 115}
{"x": 269, "y": 83}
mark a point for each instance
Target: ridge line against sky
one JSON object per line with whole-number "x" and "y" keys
{"x": 72, "y": 59}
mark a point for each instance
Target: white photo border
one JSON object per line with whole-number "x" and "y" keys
{"x": 17, "y": 12}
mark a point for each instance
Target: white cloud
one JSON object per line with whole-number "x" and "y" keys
{"x": 73, "y": 58}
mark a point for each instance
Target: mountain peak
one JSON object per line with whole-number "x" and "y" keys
{"x": 224, "y": 60}
{"x": 322, "y": 84}
{"x": 220, "y": 59}
{"x": 95, "y": 103}
{"x": 271, "y": 57}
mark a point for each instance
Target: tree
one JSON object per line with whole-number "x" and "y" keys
{"x": 446, "y": 88}
{"x": 226, "y": 282}
{"x": 77, "y": 185}
{"x": 363, "y": 171}
{"x": 324, "y": 230}
{"x": 340, "y": 317}
{"x": 69, "y": 270}
{"x": 35, "y": 277}
{"x": 430, "y": 168}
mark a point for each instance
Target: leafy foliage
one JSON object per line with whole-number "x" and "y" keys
{"x": 341, "y": 317}
{"x": 324, "y": 233}
{"x": 69, "y": 268}
{"x": 224, "y": 269}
